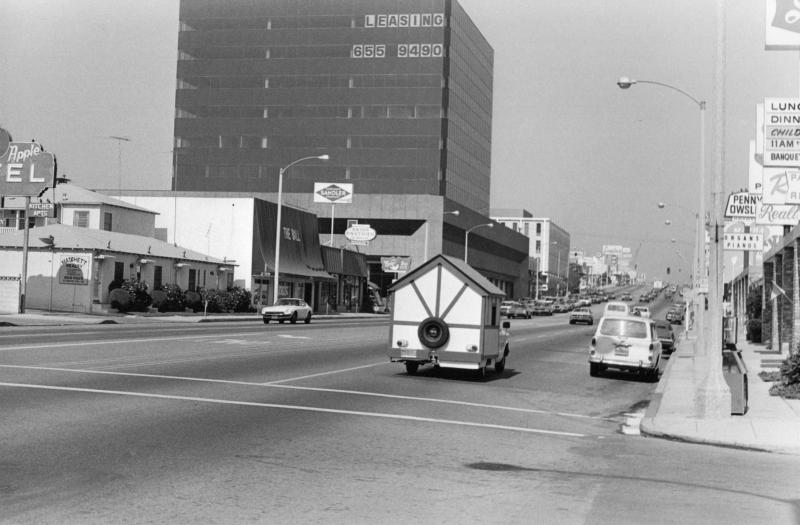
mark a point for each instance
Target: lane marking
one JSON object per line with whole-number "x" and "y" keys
{"x": 289, "y": 336}
{"x": 277, "y": 384}
{"x": 296, "y": 407}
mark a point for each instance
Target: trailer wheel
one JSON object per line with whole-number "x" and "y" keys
{"x": 433, "y": 332}
{"x": 411, "y": 367}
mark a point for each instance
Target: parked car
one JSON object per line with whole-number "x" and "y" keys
{"x": 287, "y": 309}
{"x": 517, "y": 310}
{"x": 666, "y": 336}
{"x": 675, "y": 316}
{"x": 581, "y": 315}
{"x": 627, "y": 297}
{"x": 625, "y": 343}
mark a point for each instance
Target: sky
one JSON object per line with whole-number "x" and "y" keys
{"x": 567, "y": 143}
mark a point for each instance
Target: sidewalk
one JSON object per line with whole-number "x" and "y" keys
{"x": 771, "y": 423}
{"x": 45, "y": 318}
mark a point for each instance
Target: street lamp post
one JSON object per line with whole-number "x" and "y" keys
{"x": 466, "y": 237}
{"x": 558, "y": 268}
{"x": 712, "y": 395}
{"x": 278, "y": 222}
{"x": 427, "y": 228}
{"x": 625, "y": 83}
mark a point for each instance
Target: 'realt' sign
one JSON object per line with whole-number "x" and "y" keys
{"x": 26, "y": 169}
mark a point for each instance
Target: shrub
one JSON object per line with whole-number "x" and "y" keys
{"x": 193, "y": 300}
{"x": 120, "y": 299}
{"x": 159, "y": 299}
{"x": 173, "y": 299}
{"x": 137, "y": 300}
{"x": 237, "y": 300}
{"x": 789, "y": 385}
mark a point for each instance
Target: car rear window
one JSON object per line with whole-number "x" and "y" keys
{"x": 616, "y": 308}
{"x": 624, "y": 327}
{"x": 663, "y": 331}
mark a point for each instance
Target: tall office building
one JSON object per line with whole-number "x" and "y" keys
{"x": 397, "y": 92}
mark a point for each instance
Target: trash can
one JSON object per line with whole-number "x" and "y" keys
{"x": 735, "y": 373}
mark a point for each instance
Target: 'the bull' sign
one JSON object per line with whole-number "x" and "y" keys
{"x": 26, "y": 169}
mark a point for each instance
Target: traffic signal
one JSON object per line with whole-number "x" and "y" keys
{"x": 667, "y": 270}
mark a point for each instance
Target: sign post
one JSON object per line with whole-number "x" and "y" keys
{"x": 333, "y": 193}
{"x": 26, "y": 169}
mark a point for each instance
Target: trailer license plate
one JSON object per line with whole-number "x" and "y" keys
{"x": 621, "y": 350}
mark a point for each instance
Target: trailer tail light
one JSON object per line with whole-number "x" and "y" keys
{"x": 472, "y": 348}
{"x": 402, "y": 343}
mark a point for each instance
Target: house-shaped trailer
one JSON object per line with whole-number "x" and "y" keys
{"x": 445, "y": 313}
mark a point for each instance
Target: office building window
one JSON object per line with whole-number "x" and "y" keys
{"x": 538, "y": 228}
{"x": 81, "y": 219}
{"x": 107, "y": 221}
{"x": 538, "y": 246}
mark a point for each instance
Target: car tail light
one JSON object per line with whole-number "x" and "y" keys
{"x": 594, "y": 341}
{"x": 652, "y": 347}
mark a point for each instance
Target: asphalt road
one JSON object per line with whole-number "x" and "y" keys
{"x": 242, "y": 422}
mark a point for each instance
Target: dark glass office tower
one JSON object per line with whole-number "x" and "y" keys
{"x": 397, "y": 92}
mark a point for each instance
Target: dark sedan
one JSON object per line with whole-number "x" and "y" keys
{"x": 666, "y": 336}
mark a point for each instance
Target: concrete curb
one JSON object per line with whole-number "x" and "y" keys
{"x": 33, "y": 320}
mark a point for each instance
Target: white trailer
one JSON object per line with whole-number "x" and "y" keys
{"x": 447, "y": 314}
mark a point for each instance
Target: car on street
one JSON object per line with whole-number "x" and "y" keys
{"x": 581, "y": 315}
{"x": 287, "y": 309}
{"x": 641, "y": 311}
{"x": 516, "y": 310}
{"x": 627, "y": 297}
{"x": 616, "y": 308}
{"x": 505, "y": 306}
{"x": 666, "y": 336}
{"x": 625, "y": 343}
{"x": 674, "y": 316}
{"x": 543, "y": 308}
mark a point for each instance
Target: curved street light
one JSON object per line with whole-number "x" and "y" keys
{"x": 625, "y": 83}
{"x": 466, "y": 237}
{"x": 427, "y": 228}
{"x": 276, "y": 285}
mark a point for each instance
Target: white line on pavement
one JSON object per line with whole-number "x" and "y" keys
{"x": 277, "y": 384}
{"x": 296, "y": 407}
{"x": 268, "y": 383}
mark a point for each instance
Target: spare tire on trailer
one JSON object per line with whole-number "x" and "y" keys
{"x": 433, "y": 332}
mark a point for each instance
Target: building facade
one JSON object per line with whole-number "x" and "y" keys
{"x": 549, "y": 246}
{"x": 397, "y": 93}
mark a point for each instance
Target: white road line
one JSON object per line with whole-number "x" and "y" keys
{"x": 296, "y": 407}
{"x": 277, "y": 384}
{"x": 268, "y": 383}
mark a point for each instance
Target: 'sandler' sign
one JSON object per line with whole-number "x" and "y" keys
{"x": 333, "y": 192}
